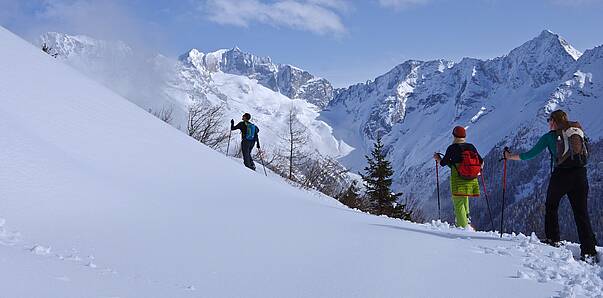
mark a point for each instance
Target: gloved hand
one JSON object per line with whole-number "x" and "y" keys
{"x": 437, "y": 156}
{"x": 507, "y": 154}
{"x": 232, "y": 122}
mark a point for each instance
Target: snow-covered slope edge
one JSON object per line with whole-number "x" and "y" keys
{"x": 109, "y": 201}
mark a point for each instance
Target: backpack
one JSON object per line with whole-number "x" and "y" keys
{"x": 251, "y": 131}
{"x": 469, "y": 167}
{"x": 572, "y": 146}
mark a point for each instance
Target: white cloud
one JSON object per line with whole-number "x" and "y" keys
{"x": 340, "y": 5}
{"x": 317, "y": 16}
{"x": 401, "y": 4}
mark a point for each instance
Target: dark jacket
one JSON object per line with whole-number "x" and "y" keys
{"x": 453, "y": 154}
{"x": 242, "y": 126}
{"x": 458, "y": 186}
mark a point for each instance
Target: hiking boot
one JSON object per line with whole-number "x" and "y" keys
{"x": 551, "y": 242}
{"x": 590, "y": 259}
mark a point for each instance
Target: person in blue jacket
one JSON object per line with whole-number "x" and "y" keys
{"x": 249, "y": 138}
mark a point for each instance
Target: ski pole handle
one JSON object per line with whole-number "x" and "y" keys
{"x": 505, "y": 150}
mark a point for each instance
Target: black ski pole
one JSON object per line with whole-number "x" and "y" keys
{"x": 262, "y": 160}
{"x": 438, "y": 186}
{"x": 228, "y": 146}
{"x": 487, "y": 201}
{"x": 502, "y": 212}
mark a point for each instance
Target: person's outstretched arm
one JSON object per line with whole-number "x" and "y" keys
{"x": 542, "y": 143}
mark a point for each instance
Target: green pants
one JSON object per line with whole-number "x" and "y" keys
{"x": 461, "y": 210}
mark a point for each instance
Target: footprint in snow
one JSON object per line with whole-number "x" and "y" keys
{"x": 499, "y": 251}
{"x": 63, "y": 278}
{"x": 40, "y": 250}
{"x": 8, "y": 237}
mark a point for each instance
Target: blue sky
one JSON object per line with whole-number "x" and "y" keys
{"x": 343, "y": 41}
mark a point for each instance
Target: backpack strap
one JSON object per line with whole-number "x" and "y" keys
{"x": 551, "y": 157}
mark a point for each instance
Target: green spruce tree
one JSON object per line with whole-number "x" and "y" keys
{"x": 378, "y": 182}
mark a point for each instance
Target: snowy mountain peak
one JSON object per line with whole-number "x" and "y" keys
{"x": 592, "y": 54}
{"x": 202, "y": 61}
{"x": 286, "y": 79}
{"x": 547, "y": 32}
{"x": 537, "y": 62}
{"x": 565, "y": 44}
{"x": 555, "y": 39}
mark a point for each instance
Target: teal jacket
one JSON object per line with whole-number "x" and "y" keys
{"x": 549, "y": 141}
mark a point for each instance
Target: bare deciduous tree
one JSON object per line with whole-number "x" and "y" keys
{"x": 166, "y": 114}
{"x": 324, "y": 174}
{"x": 296, "y": 138}
{"x": 205, "y": 124}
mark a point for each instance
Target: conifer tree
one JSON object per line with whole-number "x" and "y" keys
{"x": 378, "y": 182}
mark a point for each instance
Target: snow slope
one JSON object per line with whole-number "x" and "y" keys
{"x": 101, "y": 199}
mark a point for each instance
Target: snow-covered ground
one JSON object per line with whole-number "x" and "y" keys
{"x": 98, "y": 198}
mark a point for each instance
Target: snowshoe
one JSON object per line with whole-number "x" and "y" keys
{"x": 590, "y": 259}
{"x": 551, "y": 242}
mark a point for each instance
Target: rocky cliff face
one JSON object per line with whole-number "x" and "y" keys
{"x": 283, "y": 78}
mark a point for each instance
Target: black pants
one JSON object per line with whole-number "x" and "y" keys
{"x": 246, "y": 147}
{"x": 573, "y": 183}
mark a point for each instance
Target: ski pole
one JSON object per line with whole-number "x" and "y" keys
{"x": 438, "y": 186}
{"x": 487, "y": 201}
{"x": 228, "y": 146}
{"x": 262, "y": 160}
{"x": 502, "y": 212}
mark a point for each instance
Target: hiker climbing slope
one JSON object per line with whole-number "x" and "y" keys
{"x": 465, "y": 165}
{"x": 249, "y": 137}
{"x": 568, "y": 148}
